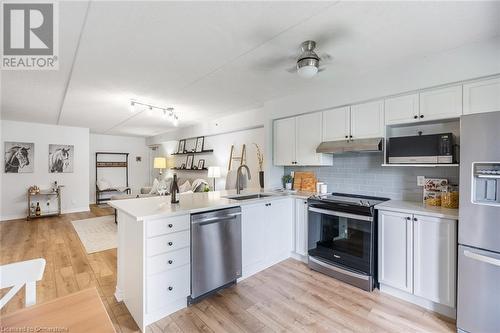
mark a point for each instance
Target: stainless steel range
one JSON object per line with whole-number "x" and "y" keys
{"x": 342, "y": 237}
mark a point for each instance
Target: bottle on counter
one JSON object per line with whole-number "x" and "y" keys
{"x": 38, "y": 210}
{"x": 174, "y": 191}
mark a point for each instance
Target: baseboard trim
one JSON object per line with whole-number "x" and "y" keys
{"x": 8, "y": 218}
{"x": 424, "y": 303}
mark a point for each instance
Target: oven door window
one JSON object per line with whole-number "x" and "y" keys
{"x": 344, "y": 240}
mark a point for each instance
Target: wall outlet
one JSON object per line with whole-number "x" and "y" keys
{"x": 420, "y": 180}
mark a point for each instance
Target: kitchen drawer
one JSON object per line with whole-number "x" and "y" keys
{"x": 169, "y": 225}
{"x": 167, "y": 243}
{"x": 167, "y": 287}
{"x": 169, "y": 260}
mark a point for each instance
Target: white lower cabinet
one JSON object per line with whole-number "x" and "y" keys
{"x": 417, "y": 255}
{"x": 266, "y": 233}
{"x": 395, "y": 250}
{"x": 434, "y": 259}
{"x": 300, "y": 230}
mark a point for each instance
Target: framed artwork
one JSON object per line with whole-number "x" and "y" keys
{"x": 182, "y": 146}
{"x": 201, "y": 164}
{"x": 189, "y": 161}
{"x": 61, "y": 158}
{"x": 200, "y": 141}
{"x": 19, "y": 157}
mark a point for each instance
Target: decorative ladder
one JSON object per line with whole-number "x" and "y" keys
{"x": 242, "y": 157}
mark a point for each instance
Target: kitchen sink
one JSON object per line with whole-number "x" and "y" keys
{"x": 249, "y": 196}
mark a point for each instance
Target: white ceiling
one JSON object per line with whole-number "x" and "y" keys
{"x": 208, "y": 59}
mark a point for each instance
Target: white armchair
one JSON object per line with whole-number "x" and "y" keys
{"x": 18, "y": 274}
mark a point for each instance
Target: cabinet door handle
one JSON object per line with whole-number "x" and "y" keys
{"x": 415, "y": 117}
{"x": 415, "y": 219}
{"x": 269, "y": 204}
{"x": 408, "y": 218}
{"x": 170, "y": 262}
{"x": 170, "y": 243}
{"x": 421, "y": 116}
{"x": 170, "y": 225}
{"x": 170, "y": 288}
{"x": 350, "y": 136}
{"x": 346, "y": 136}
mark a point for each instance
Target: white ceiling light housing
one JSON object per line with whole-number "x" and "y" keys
{"x": 307, "y": 68}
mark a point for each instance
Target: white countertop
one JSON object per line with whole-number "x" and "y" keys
{"x": 160, "y": 206}
{"x": 418, "y": 208}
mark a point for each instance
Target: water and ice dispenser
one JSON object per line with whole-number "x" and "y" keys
{"x": 486, "y": 183}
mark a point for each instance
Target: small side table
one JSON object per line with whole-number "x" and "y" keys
{"x": 44, "y": 194}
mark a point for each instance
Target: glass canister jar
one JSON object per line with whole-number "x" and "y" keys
{"x": 449, "y": 198}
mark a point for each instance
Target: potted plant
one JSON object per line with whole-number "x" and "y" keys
{"x": 287, "y": 181}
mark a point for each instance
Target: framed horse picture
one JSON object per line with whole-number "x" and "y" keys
{"x": 19, "y": 157}
{"x": 61, "y": 158}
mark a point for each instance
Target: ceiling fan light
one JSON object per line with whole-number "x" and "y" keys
{"x": 307, "y": 71}
{"x": 307, "y": 67}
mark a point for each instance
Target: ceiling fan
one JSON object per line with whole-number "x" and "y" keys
{"x": 308, "y": 62}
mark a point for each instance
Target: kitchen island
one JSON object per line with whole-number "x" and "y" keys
{"x": 154, "y": 243}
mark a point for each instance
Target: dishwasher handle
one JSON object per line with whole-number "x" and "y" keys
{"x": 210, "y": 220}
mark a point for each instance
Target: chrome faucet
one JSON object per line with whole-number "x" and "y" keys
{"x": 238, "y": 174}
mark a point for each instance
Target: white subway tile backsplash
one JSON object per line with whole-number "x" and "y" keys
{"x": 363, "y": 174}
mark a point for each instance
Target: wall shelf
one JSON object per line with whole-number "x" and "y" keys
{"x": 179, "y": 169}
{"x": 207, "y": 151}
{"x": 421, "y": 165}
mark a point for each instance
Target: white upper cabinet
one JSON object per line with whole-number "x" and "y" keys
{"x": 284, "y": 141}
{"x": 482, "y": 96}
{"x": 367, "y": 120}
{"x": 308, "y": 129}
{"x": 395, "y": 250}
{"x": 402, "y": 109}
{"x": 435, "y": 249}
{"x": 296, "y": 140}
{"x": 441, "y": 103}
{"x": 336, "y": 124}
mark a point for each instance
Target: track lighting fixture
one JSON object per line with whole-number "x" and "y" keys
{"x": 167, "y": 113}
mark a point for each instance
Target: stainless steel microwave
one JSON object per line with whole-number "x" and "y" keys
{"x": 421, "y": 149}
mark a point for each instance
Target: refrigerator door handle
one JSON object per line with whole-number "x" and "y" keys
{"x": 483, "y": 258}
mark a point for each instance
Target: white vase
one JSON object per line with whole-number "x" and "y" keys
{"x": 288, "y": 186}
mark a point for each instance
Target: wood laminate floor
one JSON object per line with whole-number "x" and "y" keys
{"x": 287, "y": 297}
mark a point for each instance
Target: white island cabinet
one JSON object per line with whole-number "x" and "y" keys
{"x": 417, "y": 256}
{"x": 154, "y": 246}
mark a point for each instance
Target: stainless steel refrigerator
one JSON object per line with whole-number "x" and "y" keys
{"x": 478, "y": 308}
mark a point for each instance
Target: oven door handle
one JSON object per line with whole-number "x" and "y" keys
{"x": 341, "y": 214}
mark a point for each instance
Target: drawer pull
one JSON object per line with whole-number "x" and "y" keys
{"x": 170, "y": 243}
{"x": 170, "y": 225}
{"x": 170, "y": 262}
{"x": 170, "y": 288}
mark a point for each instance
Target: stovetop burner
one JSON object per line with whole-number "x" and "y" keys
{"x": 350, "y": 199}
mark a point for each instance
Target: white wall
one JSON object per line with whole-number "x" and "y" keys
{"x": 75, "y": 194}
{"x": 138, "y": 171}
{"x": 221, "y": 144}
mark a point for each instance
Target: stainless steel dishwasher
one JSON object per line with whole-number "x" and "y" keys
{"x": 215, "y": 251}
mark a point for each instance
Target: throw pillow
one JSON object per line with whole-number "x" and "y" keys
{"x": 185, "y": 187}
{"x": 154, "y": 188}
{"x": 103, "y": 184}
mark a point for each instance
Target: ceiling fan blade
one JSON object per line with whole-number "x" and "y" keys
{"x": 321, "y": 69}
{"x": 325, "y": 58}
{"x": 274, "y": 62}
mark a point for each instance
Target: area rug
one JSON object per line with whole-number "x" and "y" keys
{"x": 98, "y": 233}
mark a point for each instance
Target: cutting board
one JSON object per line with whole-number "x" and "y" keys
{"x": 304, "y": 181}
